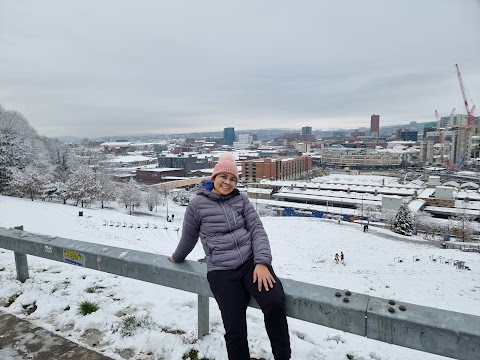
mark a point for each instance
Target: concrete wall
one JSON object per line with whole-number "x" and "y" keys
{"x": 391, "y": 202}
{"x": 443, "y": 193}
{"x": 434, "y": 181}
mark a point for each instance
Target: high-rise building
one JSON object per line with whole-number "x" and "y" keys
{"x": 375, "y": 124}
{"x": 426, "y": 150}
{"x": 229, "y": 135}
{"x": 307, "y": 130}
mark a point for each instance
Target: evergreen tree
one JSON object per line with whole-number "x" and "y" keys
{"x": 403, "y": 221}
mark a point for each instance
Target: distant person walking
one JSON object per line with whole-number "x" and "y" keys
{"x": 365, "y": 228}
{"x": 336, "y": 258}
{"x": 342, "y": 258}
{"x": 173, "y": 216}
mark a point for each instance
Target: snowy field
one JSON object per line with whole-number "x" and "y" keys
{"x": 303, "y": 249}
{"x": 359, "y": 179}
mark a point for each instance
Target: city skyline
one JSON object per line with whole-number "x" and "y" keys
{"x": 94, "y": 69}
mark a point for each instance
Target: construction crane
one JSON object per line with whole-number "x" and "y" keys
{"x": 453, "y": 112}
{"x": 470, "y": 111}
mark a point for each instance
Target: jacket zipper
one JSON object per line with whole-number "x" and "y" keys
{"x": 231, "y": 232}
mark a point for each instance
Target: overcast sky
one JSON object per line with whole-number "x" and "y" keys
{"x": 97, "y": 68}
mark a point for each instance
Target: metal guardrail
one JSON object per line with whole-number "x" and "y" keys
{"x": 436, "y": 331}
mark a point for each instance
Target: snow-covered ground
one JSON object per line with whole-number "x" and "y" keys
{"x": 303, "y": 249}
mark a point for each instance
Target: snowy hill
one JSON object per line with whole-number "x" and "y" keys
{"x": 303, "y": 249}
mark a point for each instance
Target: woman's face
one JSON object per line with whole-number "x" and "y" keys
{"x": 224, "y": 183}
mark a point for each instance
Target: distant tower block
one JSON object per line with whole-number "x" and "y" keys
{"x": 375, "y": 124}
{"x": 229, "y": 135}
{"x": 306, "y": 130}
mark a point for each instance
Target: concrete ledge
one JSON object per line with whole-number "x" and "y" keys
{"x": 32, "y": 342}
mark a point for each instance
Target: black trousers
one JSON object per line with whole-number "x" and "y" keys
{"x": 232, "y": 290}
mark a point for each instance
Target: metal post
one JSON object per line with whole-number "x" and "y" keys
{"x": 166, "y": 201}
{"x": 362, "y": 209}
{"x": 203, "y": 316}
{"x": 21, "y": 263}
{"x": 355, "y": 208}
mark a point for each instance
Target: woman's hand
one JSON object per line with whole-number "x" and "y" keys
{"x": 170, "y": 258}
{"x": 265, "y": 279}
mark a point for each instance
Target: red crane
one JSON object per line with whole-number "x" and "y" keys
{"x": 470, "y": 111}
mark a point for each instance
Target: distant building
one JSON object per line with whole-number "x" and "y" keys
{"x": 129, "y": 161}
{"x": 186, "y": 162}
{"x": 157, "y": 175}
{"x": 407, "y": 135}
{"x": 375, "y": 124}
{"x": 457, "y": 120}
{"x": 276, "y": 168}
{"x": 444, "y": 120}
{"x": 360, "y": 158}
{"x": 426, "y": 150}
{"x": 245, "y": 138}
{"x": 461, "y": 145}
{"x": 229, "y": 135}
{"x": 307, "y": 130}
{"x": 116, "y": 147}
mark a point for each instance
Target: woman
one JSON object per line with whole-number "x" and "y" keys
{"x": 238, "y": 259}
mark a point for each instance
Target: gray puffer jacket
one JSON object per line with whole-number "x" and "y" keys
{"x": 229, "y": 227}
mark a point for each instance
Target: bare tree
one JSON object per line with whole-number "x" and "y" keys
{"x": 61, "y": 158}
{"x": 30, "y": 181}
{"x": 151, "y": 197}
{"x": 389, "y": 217}
{"x": 463, "y": 227}
{"x": 130, "y": 196}
{"x": 426, "y": 224}
{"x": 265, "y": 210}
{"x": 20, "y": 146}
{"x": 371, "y": 212}
{"x": 107, "y": 188}
{"x": 82, "y": 186}
{"x": 183, "y": 197}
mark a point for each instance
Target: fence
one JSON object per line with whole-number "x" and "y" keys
{"x": 436, "y": 331}
{"x": 462, "y": 247}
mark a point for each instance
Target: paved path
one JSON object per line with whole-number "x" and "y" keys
{"x": 21, "y": 340}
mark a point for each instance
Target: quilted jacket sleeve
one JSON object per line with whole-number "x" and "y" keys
{"x": 190, "y": 232}
{"x": 260, "y": 245}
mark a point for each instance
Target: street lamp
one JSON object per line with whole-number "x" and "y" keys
{"x": 355, "y": 207}
{"x": 362, "y": 209}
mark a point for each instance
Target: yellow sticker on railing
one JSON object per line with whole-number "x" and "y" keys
{"x": 73, "y": 257}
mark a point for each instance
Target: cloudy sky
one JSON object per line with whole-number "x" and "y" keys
{"x": 114, "y": 67}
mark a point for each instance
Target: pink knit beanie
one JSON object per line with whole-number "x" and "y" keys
{"x": 226, "y": 164}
